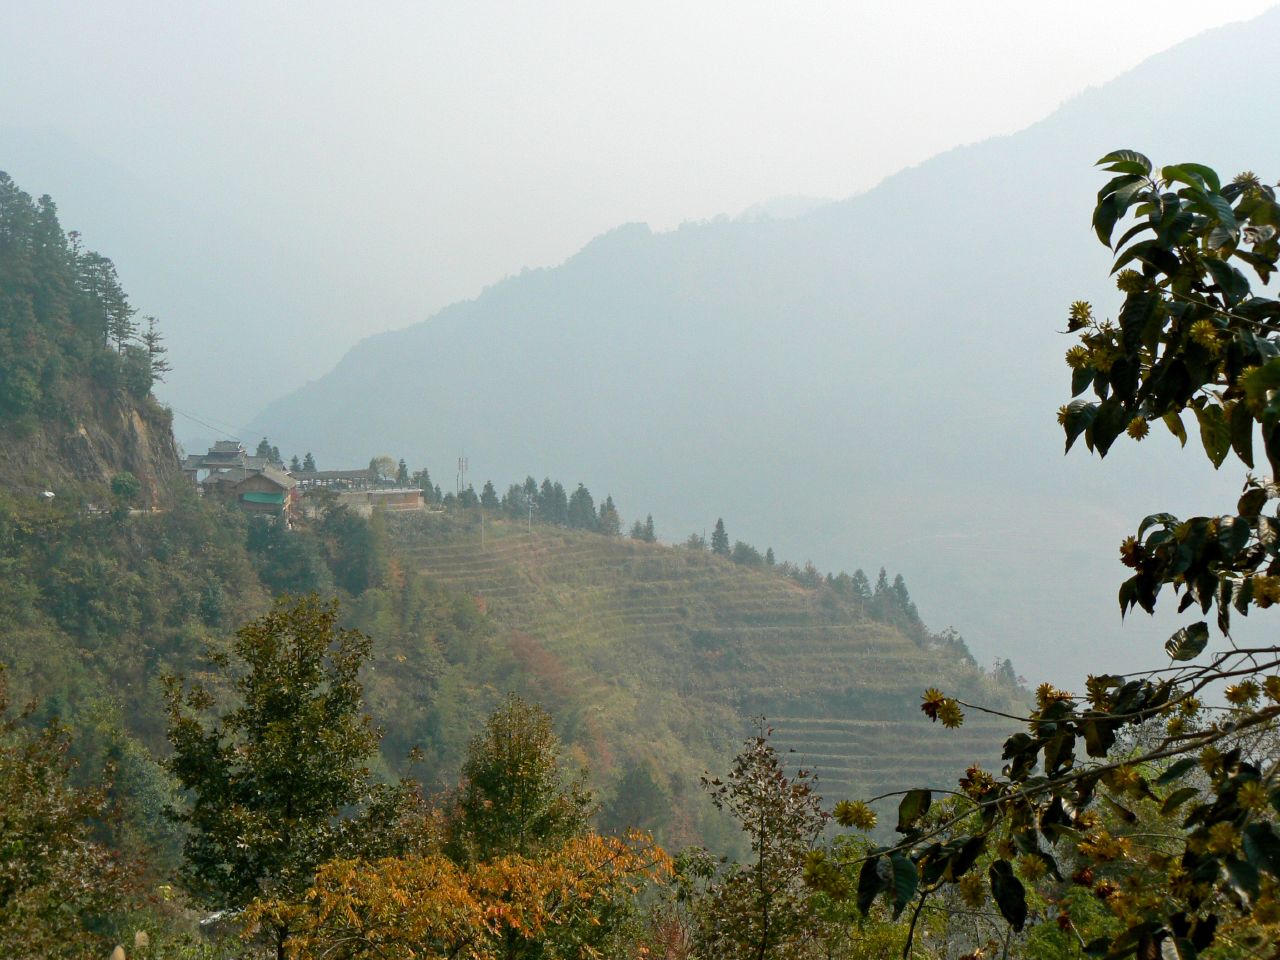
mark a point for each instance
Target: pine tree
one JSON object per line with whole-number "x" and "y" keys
{"x": 489, "y": 496}
{"x": 610, "y": 524}
{"x": 154, "y": 345}
{"x": 581, "y": 511}
{"x": 769, "y": 560}
{"x": 649, "y": 535}
{"x": 402, "y": 473}
{"x": 309, "y": 463}
{"x": 719, "y": 540}
{"x": 264, "y": 449}
{"x": 295, "y": 465}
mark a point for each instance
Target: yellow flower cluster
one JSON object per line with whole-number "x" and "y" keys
{"x": 855, "y": 814}
{"x": 1047, "y": 693}
{"x": 1223, "y": 837}
{"x": 1101, "y": 845}
{"x": 1130, "y": 281}
{"x": 972, "y": 890}
{"x": 1253, "y": 796}
{"x": 1205, "y": 333}
{"x": 1078, "y": 357}
{"x": 1243, "y": 694}
{"x": 1272, "y": 687}
{"x": 1266, "y": 590}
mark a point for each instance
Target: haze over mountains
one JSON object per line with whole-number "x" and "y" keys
{"x": 873, "y": 381}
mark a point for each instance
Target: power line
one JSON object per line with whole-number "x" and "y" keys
{"x": 204, "y": 423}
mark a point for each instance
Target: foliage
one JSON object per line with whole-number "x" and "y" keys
{"x": 762, "y": 908}
{"x": 515, "y": 798}
{"x": 279, "y": 783}
{"x": 62, "y": 891}
{"x": 66, "y": 325}
{"x": 1189, "y": 336}
{"x": 571, "y": 901}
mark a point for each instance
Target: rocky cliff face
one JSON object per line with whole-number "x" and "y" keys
{"x": 83, "y": 453}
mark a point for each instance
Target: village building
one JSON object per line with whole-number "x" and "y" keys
{"x": 271, "y": 492}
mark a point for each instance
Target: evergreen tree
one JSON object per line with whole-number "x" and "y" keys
{"x": 637, "y": 531}
{"x": 861, "y": 585}
{"x": 264, "y": 449}
{"x": 467, "y": 498}
{"x": 402, "y": 473}
{"x": 513, "y": 501}
{"x": 280, "y": 783}
{"x": 581, "y": 510}
{"x": 295, "y": 465}
{"x": 746, "y": 554}
{"x": 275, "y": 455}
{"x": 904, "y": 598}
{"x": 610, "y": 524}
{"x": 649, "y": 535}
{"x": 768, "y": 557}
{"x": 882, "y": 584}
{"x": 719, "y": 540}
{"x": 515, "y": 796}
{"x": 696, "y": 541}
{"x": 309, "y": 463}
{"x": 561, "y": 500}
{"x": 489, "y": 496}
{"x": 547, "y": 501}
{"x": 153, "y": 342}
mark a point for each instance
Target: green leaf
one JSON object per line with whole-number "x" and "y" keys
{"x": 1205, "y": 176}
{"x": 1009, "y": 894}
{"x": 1176, "y": 770}
{"x": 913, "y": 806}
{"x": 1105, "y": 216}
{"x": 962, "y": 861}
{"x": 870, "y": 883}
{"x": 1215, "y": 435}
{"x": 1177, "y": 799}
{"x": 1079, "y": 418}
{"x": 1230, "y": 281}
{"x": 1109, "y": 422}
{"x": 1189, "y": 642}
{"x": 1181, "y": 173}
{"x": 1262, "y": 847}
{"x": 1242, "y": 432}
{"x": 905, "y": 879}
{"x": 1121, "y": 185}
{"x": 1174, "y": 423}
{"x": 1126, "y": 161}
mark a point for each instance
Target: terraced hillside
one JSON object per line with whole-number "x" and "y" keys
{"x": 649, "y": 652}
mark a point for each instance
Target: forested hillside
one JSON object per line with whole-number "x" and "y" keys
{"x": 651, "y": 659}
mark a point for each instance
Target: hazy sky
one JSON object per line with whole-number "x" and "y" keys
{"x": 394, "y": 157}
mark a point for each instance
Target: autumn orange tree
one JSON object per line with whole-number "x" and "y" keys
{"x": 1192, "y": 346}
{"x": 568, "y": 901}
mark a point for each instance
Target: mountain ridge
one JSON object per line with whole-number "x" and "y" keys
{"x": 812, "y": 380}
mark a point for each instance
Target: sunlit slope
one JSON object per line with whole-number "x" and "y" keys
{"x": 670, "y": 652}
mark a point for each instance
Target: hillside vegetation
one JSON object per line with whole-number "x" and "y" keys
{"x": 655, "y": 657}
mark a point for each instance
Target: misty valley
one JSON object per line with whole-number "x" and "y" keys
{"x": 721, "y": 593}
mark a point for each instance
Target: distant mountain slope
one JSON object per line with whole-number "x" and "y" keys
{"x": 655, "y": 657}
{"x": 876, "y": 380}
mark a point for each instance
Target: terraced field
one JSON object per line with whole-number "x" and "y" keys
{"x": 669, "y": 652}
